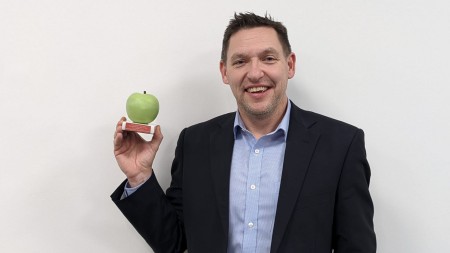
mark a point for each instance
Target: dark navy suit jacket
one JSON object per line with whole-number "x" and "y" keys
{"x": 324, "y": 201}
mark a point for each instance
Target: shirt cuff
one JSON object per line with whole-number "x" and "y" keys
{"x": 130, "y": 190}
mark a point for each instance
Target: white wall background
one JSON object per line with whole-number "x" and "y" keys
{"x": 67, "y": 67}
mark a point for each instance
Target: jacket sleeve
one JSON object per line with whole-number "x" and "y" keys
{"x": 157, "y": 217}
{"x": 353, "y": 223}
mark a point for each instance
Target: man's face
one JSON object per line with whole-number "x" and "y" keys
{"x": 257, "y": 71}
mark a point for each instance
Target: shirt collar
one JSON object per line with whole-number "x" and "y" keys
{"x": 283, "y": 126}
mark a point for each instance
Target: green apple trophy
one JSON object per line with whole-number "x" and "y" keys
{"x": 142, "y": 109}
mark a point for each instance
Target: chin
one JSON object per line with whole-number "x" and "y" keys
{"x": 258, "y": 112}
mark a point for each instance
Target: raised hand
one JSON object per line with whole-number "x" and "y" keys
{"x": 135, "y": 155}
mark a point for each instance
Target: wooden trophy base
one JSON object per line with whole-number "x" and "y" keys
{"x": 140, "y": 128}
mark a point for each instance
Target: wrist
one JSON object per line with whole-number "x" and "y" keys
{"x": 139, "y": 179}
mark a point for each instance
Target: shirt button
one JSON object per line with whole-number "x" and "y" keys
{"x": 256, "y": 151}
{"x": 250, "y": 224}
{"x": 252, "y": 186}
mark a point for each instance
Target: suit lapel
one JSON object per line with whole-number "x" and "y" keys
{"x": 300, "y": 146}
{"x": 221, "y": 150}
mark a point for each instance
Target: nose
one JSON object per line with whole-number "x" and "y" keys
{"x": 255, "y": 72}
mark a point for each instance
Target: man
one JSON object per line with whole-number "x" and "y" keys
{"x": 269, "y": 178}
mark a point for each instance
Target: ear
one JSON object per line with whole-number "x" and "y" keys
{"x": 291, "y": 65}
{"x": 223, "y": 72}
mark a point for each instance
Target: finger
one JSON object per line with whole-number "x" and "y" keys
{"x": 119, "y": 126}
{"x": 118, "y": 138}
{"x": 119, "y": 134}
{"x": 120, "y": 122}
{"x": 157, "y": 136}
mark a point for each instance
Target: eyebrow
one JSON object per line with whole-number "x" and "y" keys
{"x": 269, "y": 50}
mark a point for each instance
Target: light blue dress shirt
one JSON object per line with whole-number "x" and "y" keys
{"x": 255, "y": 178}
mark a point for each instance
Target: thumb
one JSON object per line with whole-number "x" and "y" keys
{"x": 157, "y": 136}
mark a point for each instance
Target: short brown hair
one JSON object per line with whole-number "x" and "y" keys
{"x": 250, "y": 20}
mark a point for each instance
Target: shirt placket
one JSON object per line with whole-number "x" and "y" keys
{"x": 252, "y": 197}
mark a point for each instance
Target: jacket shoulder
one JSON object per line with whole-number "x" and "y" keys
{"x": 323, "y": 124}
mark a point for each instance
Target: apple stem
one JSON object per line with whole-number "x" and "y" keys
{"x": 145, "y": 92}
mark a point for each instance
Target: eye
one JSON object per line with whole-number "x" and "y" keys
{"x": 270, "y": 59}
{"x": 238, "y": 62}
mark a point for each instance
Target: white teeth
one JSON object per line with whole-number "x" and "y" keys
{"x": 257, "y": 89}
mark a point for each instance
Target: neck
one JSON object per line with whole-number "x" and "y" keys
{"x": 260, "y": 125}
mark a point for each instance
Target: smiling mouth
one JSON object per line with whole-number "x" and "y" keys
{"x": 257, "y": 89}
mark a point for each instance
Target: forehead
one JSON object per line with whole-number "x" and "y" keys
{"x": 254, "y": 40}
